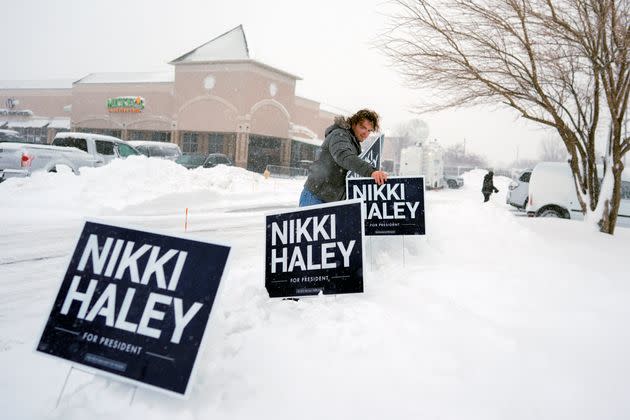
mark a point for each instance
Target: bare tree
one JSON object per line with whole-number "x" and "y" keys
{"x": 412, "y": 131}
{"x": 456, "y": 155}
{"x": 552, "y": 150}
{"x": 561, "y": 63}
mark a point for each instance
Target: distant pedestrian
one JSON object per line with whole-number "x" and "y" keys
{"x": 341, "y": 148}
{"x": 488, "y": 186}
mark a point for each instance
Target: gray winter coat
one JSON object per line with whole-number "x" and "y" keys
{"x": 340, "y": 154}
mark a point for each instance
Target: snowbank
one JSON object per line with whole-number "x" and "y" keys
{"x": 491, "y": 315}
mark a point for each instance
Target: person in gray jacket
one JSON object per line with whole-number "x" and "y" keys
{"x": 326, "y": 181}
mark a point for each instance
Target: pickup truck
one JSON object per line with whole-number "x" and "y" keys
{"x": 68, "y": 150}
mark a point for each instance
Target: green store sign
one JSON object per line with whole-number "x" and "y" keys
{"x": 125, "y": 104}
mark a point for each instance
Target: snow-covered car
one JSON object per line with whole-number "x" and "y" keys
{"x": 518, "y": 190}
{"x": 159, "y": 149}
{"x": 68, "y": 150}
{"x": 215, "y": 159}
{"x": 552, "y": 193}
{"x": 103, "y": 148}
{"x": 191, "y": 160}
{"x": 453, "y": 181}
{"x": 11, "y": 136}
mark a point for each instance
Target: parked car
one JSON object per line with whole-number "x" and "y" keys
{"x": 159, "y": 149}
{"x": 69, "y": 150}
{"x": 191, "y": 161}
{"x": 454, "y": 181}
{"x": 215, "y": 159}
{"x": 518, "y": 191}
{"x": 552, "y": 193}
{"x": 11, "y": 136}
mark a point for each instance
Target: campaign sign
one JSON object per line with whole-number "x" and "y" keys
{"x": 135, "y": 305}
{"x": 394, "y": 208}
{"x": 372, "y": 155}
{"x": 315, "y": 249}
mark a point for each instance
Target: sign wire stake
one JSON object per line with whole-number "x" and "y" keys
{"x": 371, "y": 255}
{"x": 186, "y": 221}
{"x": 133, "y": 395}
{"x": 63, "y": 388}
{"x": 403, "y": 249}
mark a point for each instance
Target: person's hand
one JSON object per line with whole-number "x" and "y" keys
{"x": 379, "y": 177}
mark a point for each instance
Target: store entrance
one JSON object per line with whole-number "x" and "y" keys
{"x": 263, "y": 151}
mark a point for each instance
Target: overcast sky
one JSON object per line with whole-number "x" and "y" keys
{"x": 328, "y": 43}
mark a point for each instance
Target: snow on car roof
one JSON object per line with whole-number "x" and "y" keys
{"x": 153, "y": 143}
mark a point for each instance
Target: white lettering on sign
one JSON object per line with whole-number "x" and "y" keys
{"x": 326, "y": 255}
{"x": 379, "y": 200}
{"x": 374, "y": 192}
{"x": 154, "y": 268}
{"x": 115, "y": 257}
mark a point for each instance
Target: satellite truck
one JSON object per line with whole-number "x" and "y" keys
{"x": 427, "y": 160}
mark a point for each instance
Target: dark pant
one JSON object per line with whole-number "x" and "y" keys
{"x": 486, "y": 196}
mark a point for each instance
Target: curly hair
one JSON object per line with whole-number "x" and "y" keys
{"x": 365, "y": 114}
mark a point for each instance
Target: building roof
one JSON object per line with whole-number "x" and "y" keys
{"x": 232, "y": 45}
{"x": 37, "y": 84}
{"x": 31, "y": 123}
{"x": 139, "y": 77}
{"x": 231, "y": 48}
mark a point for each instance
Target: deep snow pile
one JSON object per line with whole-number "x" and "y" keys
{"x": 490, "y": 316}
{"x": 137, "y": 185}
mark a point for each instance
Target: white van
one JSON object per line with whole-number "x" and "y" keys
{"x": 103, "y": 148}
{"x": 552, "y": 193}
{"x": 518, "y": 191}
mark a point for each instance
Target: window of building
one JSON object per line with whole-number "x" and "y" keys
{"x": 136, "y": 135}
{"x": 301, "y": 152}
{"x": 263, "y": 151}
{"x": 190, "y": 143}
{"x": 215, "y": 142}
{"x": 161, "y": 136}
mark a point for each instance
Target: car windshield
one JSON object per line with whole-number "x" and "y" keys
{"x": 163, "y": 151}
{"x": 191, "y": 159}
{"x": 221, "y": 160}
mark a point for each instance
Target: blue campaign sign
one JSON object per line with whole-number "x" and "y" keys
{"x": 372, "y": 155}
{"x": 315, "y": 249}
{"x": 394, "y": 208}
{"x": 135, "y": 305}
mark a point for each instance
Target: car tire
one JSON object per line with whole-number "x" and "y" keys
{"x": 451, "y": 183}
{"x": 551, "y": 213}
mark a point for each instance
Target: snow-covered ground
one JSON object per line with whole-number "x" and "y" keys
{"x": 491, "y": 315}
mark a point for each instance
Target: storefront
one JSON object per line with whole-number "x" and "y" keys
{"x": 216, "y": 99}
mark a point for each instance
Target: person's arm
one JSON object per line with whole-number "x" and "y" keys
{"x": 344, "y": 155}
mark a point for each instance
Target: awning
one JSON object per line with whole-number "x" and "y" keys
{"x": 34, "y": 123}
{"x": 312, "y": 142}
{"x": 63, "y": 124}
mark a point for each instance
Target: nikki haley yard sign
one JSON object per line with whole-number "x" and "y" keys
{"x": 315, "y": 249}
{"x": 394, "y": 208}
{"x": 135, "y": 304}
